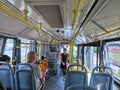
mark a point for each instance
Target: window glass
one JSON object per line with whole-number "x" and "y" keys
{"x": 75, "y": 52}
{"x": 113, "y": 57}
{"x": 38, "y": 51}
{"x": 25, "y": 48}
{"x": 90, "y": 56}
{"x": 9, "y": 47}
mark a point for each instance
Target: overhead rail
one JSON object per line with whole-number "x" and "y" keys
{"x": 76, "y": 11}
{"x": 77, "y": 33}
{"x": 102, "y": 28}
{"x": 23, "y": 19}
{"x": 95, "y": 7}
{"x": 98, "y": 42}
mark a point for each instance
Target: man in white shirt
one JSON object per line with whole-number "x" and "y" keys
{"x": 31, "y": 59}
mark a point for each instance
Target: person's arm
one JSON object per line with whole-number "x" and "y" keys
{"x": 39, "y": 72}
{"x": 68, "y": 58}
{"x": 61, "y": 60}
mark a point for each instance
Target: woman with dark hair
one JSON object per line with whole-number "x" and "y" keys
{"x": 64, "y": 59}
{"x": 5, "y": 58}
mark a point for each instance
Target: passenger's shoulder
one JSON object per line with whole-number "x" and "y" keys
{"x": 34, "y": 66}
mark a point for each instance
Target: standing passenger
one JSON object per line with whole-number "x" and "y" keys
{"x": 64, "y": 58}
{"x": 31, "y": 59}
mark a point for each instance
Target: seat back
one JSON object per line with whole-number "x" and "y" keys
{"x": 79, "y": 87}
{"x": 102, "y": 80}
{"x": 6, "y": 76}
{"x": 76, "y": 77}
{"x": 2, "y": 86}
{"x": 25, "y": 79}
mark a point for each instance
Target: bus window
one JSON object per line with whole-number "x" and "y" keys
{"x": 113, "y": 56}
{"x": 75, "y": 53}
{"x": 90, "y": 56}
{"x": 25, "y": 48}
{"x": 9, "y": 47}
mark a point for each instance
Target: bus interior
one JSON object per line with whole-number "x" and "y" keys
{"x": 88, "y": 29}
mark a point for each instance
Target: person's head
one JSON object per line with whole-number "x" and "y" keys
{"x": 42, "y": 57}
{"x": 5, "y": 58}
{"x": 31, "y": 57}
{"x": 64, "y": 50}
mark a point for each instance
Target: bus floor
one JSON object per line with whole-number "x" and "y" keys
{"x": 55, "y": 82}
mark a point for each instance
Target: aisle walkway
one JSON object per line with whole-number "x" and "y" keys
{"x": 55, "y": 82}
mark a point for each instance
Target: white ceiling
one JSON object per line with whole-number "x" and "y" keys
{"x": 104, "y": 24}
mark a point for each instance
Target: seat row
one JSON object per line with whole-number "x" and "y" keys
{"x": 22, "y": 80}
{"x": 78, "y": 80}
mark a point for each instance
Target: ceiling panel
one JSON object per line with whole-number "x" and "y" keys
{"x": 109, "y": 17}
{"x": 10, "y": 25}
{"x": 91, "y": 29}
{"x": 52, "y": 14}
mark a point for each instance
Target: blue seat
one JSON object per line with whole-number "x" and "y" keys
{"x": 24, "y": 77}
{"x": 2, "y": 86}
{"x": 6, "y": 76}
{"x": 79, "y": 87}
{"x": 102, "y": 80}
{"x": 76, "y": 77}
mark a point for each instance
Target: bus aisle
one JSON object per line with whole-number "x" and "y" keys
{"x": 55, "y": 82}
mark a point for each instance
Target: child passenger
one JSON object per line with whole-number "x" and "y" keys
{"x": 43, "y": 63}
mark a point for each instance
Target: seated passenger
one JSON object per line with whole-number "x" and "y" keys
{"x": 31, "y": 59}
{"x": 43, "y": 63}
{"x": 4, "y": 58}
{"x": 79, "y": 63}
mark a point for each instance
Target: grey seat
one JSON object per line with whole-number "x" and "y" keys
{"x": 6, "y": 76}
{"x": 102, "y": 80}
{"x": 76, "y": 77}
{"x": 79, "y": 87}
{"x": 24, "y": 77}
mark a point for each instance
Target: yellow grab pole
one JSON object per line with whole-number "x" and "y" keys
{"x": 71, "y": 52}
{"x": 70, "y": 55}
{"x": 25, "y": 13}
{"x": 40, "y": 41}
{"x": 18, "y": 16}
{"x": 76, "y": 11}
{"x": 23, "y": 19}
{"x": 80, "y": 2}
{"x": 40, "y": 49}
